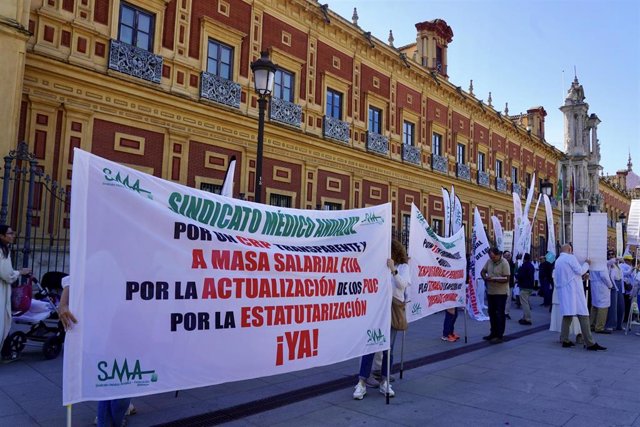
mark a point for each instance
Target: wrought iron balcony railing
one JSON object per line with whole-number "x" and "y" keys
{"x": 463, "y": 171}
{"x": 483, "y": 178}
{"x": 134, "y": 61}
{"x": 377, "y": 143}
{"x": 501, "y": 184}
{"x": 285, "y": 112}
{"x": 411, "y": 154}
{"x": 336, "y": 129}
{"x": 220, "y": 90}
{"x": 439, "y": 163}
{"x": 516, "y": 188}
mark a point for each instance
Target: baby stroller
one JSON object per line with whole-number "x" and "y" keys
{"x": 42, "y": 317}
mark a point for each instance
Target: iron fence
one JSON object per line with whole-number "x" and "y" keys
{"x": 37, "y": 208}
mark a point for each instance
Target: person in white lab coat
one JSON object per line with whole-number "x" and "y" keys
{"x": 600, "y": 300}
{"x": 567, "y": 277}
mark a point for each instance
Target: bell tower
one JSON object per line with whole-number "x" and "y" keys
{"x": 431, "y": 45}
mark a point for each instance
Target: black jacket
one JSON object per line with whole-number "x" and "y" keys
{"x": 525, "y": 275}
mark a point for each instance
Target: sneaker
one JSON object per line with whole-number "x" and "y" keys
{"x": 448, "y": 338}
{"x": 456, "y": 336}
{"x": 453, "y": 337}
{"x": 567, "y": 344}
{"x": 372, "y": 382}
{"x": 360, "y": 391}
{"x": 383, "y": 389}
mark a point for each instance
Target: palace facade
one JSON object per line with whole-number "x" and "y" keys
{"x": 165, "y": 86}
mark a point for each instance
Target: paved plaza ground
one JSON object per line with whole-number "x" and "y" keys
{"x": 527, "y": 381}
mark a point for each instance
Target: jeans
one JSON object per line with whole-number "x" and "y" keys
{"x": 111, "y": 412}
{"x": 449, "y": 322}
{"x": 616, "y": 310}
{"x": 367, "y": 361}
{"x": 496, "y": 314}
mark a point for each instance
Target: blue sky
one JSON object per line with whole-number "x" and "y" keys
{"x": 518, "y": 50}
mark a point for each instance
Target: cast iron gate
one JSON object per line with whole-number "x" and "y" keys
{"x": 37, "y": 209}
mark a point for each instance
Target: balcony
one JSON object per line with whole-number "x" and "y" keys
{"x": 483, "y": 178}
{"x": 411, "y": 154}
{"x": 516, "y": 188}
{"x": 501, "y": 184}
{"x": 463, "y": 171}
{"x": 439, "y": 163}
{"x": 335, "y": 129}
{"x": 134, "y": 61}
{"x": 285, "y": 112}
{"x": 219, "y": 90}
{"x": 377, "y": 143}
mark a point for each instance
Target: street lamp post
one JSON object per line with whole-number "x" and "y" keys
{"x": 622, "y": 217}
{"x": 263, "y": 75}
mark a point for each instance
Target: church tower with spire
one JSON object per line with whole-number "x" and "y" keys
{"x": 580, "y": 170}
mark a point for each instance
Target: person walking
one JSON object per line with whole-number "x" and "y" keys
{"x": 496, "y": 275}
{"x": 400, "y": 279}
{"x": 567, "y": 277}
{"x": 546, "y": 279}
{"x": 526, "y": 282}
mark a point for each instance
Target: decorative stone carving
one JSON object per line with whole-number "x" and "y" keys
{"x": 377, "y": 143}
{"x": 463, "y": 171}
{"x": 411, "y": 154}
{"x": 336, "y": 129}
{"x": 134, "y": 61}
{"x": 220, "y": 90}
{"x": 285, "y": 112}
{"x": 439, "y": 163}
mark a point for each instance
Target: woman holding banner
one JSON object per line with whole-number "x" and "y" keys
{"x": 400, "y": 280}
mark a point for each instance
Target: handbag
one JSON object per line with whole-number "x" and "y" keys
{"x": 398, "y": 315}
{"x": 21, "y": 295}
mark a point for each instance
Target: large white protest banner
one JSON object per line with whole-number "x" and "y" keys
{"x": 633, "y": 223}
{"x": 590, "y": 239}
{"x": 438, "y": 269}
{"x": 176, "y": 288}
{"x": 479, "y": 256}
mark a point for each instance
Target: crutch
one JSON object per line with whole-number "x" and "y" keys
{"x": 388, "y": 374}
{"x": 465, "y": 323}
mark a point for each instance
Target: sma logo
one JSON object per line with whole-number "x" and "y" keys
{"x": 123, "y": 373}
{"x": 125, "y": 182}
{"x": 375, "y": 337}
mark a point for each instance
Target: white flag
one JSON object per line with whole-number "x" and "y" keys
{"x": 497, "y": 232}
{"x": 527, "y": 204}
{"x": 446, "y": 207}
{"x": 457, "y": 216}
{"x": 227, "y": 185}
{"x": 551, "y": 238}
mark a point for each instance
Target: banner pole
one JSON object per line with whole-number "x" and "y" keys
{"x": 402, "y": 355}
{"x": 69, "y": 415}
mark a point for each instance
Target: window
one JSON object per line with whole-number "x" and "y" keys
{"x": 528, "y": 179}
{"x": 280, "y": 200}
{"x": 220, "y": 60}
{"x": 498, "y": 168}
{"x": 375, "y": 120}
{"x": 436, "y": 144}
{"x": 211, "y": 188}
{"x": 408, "y": 130}
{"x": 284, "y": 85}
{"x": 460, "y": 154}
{"x": 436, "y": 226}
{"x": 334, "y": 104}
{"x": 331, "y": 206}
{"x": 136, "y": 27}
{"x": 481, "y": 162}
{"x": 514, "y": 174}
{"x": 406, "y": 223}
